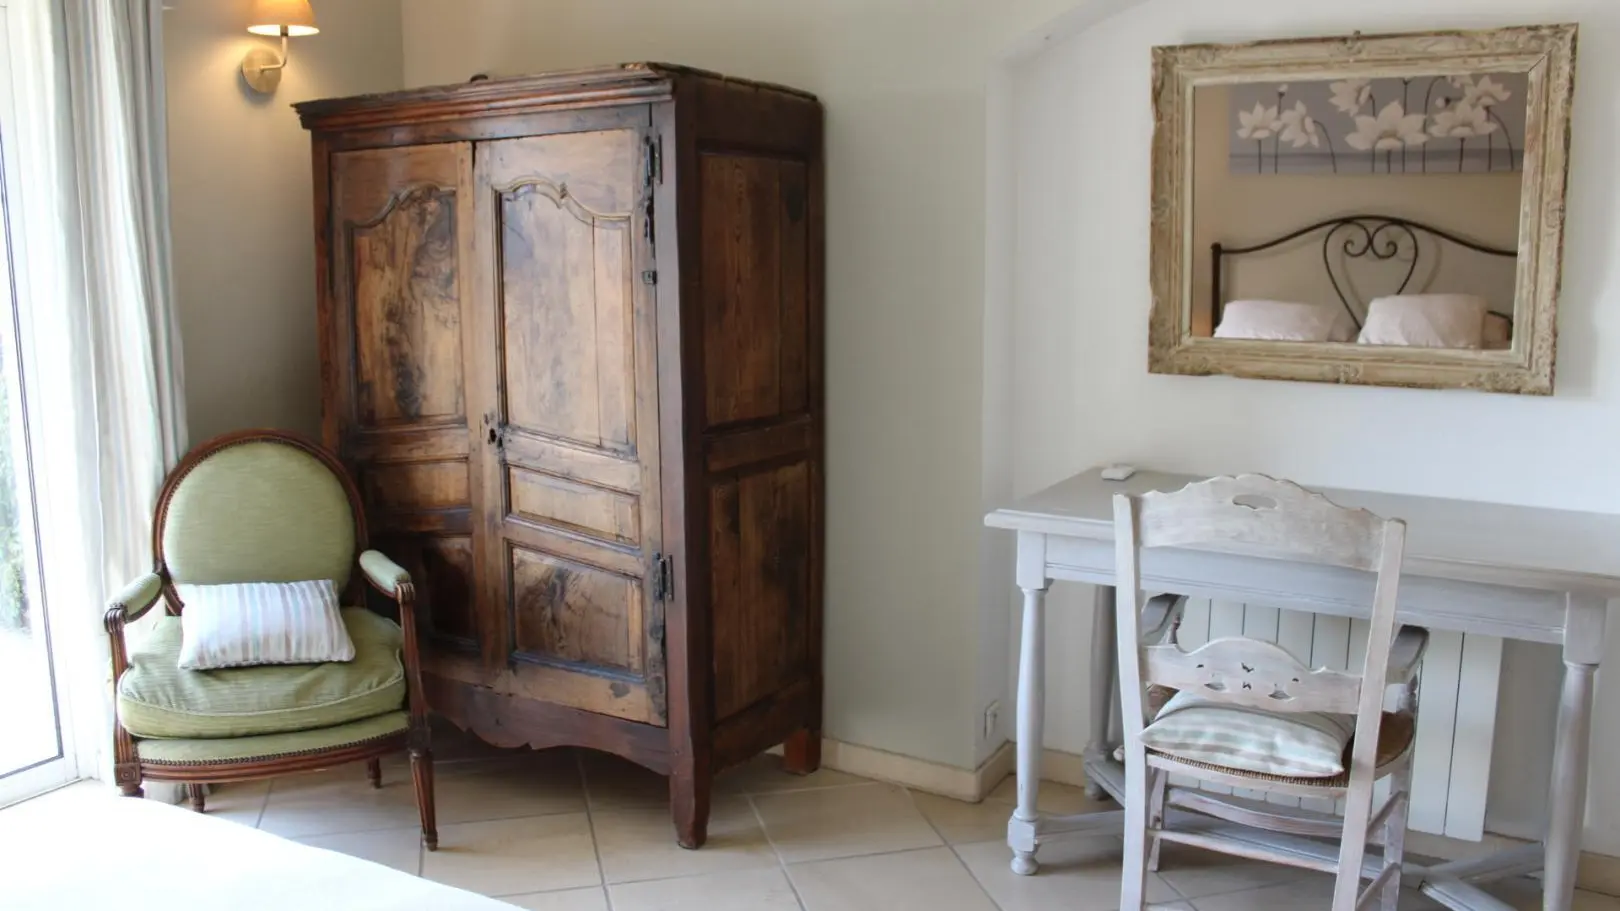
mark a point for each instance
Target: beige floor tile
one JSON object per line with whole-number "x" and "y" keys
{"x": 930, "y": 879}
{"x": 1081, "y": 873}
{"x": 1315, "y": 891}
{"x": 1195, "y": 873}
{"x": 1525, "y": 894}
{"x": 592, "y": 899}
{"x": 515, "y": 856}
{"x": 639, "y": 842}
{"x": 764, "y": 775}
{"x": 238, "y": 801}
{"x": 397, "y": 848}
{"x": 745, "y": 890}
{"x": 1053, "y": 797}
{"x": 531, "y": 784}
{"x": 614, "y": 782}
{"x": 964, "y": 823}
{"x": 843, "y": 822}
{"x": 337, "y": 801}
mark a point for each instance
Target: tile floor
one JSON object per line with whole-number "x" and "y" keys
{"x": 571, "y": 830}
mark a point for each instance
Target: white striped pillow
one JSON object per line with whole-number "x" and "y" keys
{"x": 1295, "y": 744}
{"x": 252, "y": 623}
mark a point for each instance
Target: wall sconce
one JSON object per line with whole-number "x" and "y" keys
{"x": 261, "y": 68}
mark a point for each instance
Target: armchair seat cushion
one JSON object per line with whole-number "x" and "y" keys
{"x": 157, "y": 699}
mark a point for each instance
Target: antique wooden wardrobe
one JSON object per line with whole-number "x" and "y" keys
{"x": 571, "y": 336}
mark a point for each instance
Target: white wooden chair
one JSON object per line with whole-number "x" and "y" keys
{"x": 1262, "y": 517}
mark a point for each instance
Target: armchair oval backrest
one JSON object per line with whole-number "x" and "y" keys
{"x": 258, "y": 506}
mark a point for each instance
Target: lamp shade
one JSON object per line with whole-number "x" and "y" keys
{"x": 270, "y": 17}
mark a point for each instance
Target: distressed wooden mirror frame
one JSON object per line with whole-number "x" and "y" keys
{"x": 1545, "y": 52}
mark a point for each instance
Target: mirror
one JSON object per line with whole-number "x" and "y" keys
{"x": 1382, "y": 210}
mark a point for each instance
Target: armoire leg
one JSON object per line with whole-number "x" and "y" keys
{"x": 801, "y": 753}
{"x": 689, "y": 804}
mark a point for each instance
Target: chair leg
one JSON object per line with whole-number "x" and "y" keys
{"x": 1395, "y": 837}
{"x": 374, "y": 772}
{"x": 1156, "y": 795}
{"x": 1133, "y": 873}
{"x": 422, "y": 776}
{"x": 198, "y": 796}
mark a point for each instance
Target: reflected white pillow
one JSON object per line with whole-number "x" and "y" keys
{"x": 1498, "y": 334}
{"x": 1284, "y": 321}
{"x": 1426, "y": 321}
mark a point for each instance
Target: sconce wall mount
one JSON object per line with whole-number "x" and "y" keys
{"x": 261, "y": 68}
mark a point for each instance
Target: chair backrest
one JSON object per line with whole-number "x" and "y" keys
{"x": 1255, "y": 516}
{"x": 257, "y": 506}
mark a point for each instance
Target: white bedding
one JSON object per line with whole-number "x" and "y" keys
{"x": 84, "y": 848}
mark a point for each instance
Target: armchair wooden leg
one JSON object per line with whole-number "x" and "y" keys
{"x": 374, "y": 772}
{"x": 128, "y": 777}
{"x": 422, "y": 775}
{"x": 198, "y": 796}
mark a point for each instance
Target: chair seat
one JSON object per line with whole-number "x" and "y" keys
{"x": 261, "y": 747}
{"x": 1396, "y": 735}
{"x": 156, "y": 699}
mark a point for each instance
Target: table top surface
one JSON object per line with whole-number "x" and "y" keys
{"x": 1447, "y": 537}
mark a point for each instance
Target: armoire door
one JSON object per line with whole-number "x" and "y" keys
{"x": 396, "y": 398}
{"x": 570, "y": 421}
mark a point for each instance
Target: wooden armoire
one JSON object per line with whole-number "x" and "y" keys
{"x": 571, "y": 346}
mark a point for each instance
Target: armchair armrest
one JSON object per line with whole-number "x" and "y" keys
{"x": 384, "y": 574}
{"x": 133, "y": 602}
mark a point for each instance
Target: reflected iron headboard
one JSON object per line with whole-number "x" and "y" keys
{"x": 1377, "y": 236}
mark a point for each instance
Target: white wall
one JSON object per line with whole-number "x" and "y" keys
{"x": 911, "y": 656}
{"x": 1081, "y": 125}
{"x": 244, "y": 243}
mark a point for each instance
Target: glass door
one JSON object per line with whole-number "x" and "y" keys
{"x": 35, "y": 741}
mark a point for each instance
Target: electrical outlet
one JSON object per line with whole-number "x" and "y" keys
{"x": 992, "y": 719}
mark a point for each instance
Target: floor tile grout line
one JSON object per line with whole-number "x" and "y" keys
{"x": 949, "y": 846}
{"x": 781, "y": 860}
{"x": 590, "y": 824}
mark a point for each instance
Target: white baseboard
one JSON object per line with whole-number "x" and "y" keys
{"x": 969, "y": 785}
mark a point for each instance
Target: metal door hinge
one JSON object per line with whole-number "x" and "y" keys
{"x": 663, "y": 570}
{"x": 655, "y": 160}
{"x": 649, "y": 277}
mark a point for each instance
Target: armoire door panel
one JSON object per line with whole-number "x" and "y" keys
{"x": 593, "y": 511}
{"x": 755, "y": 278}
{"x": 570, "y": 394}
{"x": 576, "y": 614}
{"x": 401, "y": 233}
{"x": 392, "y": 487}
{"x": 564, "y": 460}
{"x": 759, "y": 588}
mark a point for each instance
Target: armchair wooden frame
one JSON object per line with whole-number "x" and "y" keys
{"x": 130, "y": 770}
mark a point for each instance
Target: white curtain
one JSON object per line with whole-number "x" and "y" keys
{"x": 107, "y": 339}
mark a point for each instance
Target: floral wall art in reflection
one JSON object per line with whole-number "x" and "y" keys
{"x": 1419, "y": 125}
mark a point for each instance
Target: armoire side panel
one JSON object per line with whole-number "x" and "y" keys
{"x": 759, "y": 584}
{"x": 400, "y": 221}
{"x": 755, "y": 255}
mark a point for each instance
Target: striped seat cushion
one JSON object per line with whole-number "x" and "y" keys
{"x": 1291, "y": 744}
{"x": 252, "y": 623}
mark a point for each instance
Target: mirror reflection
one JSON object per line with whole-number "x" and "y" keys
{"x": 1370, "y": 212}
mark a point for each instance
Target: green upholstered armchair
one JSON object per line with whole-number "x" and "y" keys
{"x": 265, "y": 506}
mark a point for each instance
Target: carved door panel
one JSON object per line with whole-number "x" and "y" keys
{"x": 401, "y": 232}
{"x": 570, "y": 438}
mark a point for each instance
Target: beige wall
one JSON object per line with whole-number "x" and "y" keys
{"x": 244, "y": 248}
{"x": 1240, "y": 209}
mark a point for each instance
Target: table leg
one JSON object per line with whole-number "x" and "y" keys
{"x": 1102, "y": 680}
{"x": 1570, "y": 755}
{"x": 1031, "y": 722}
